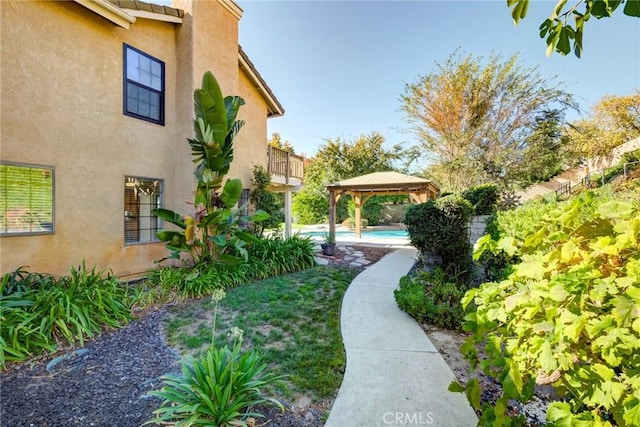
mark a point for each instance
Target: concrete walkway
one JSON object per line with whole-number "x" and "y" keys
{"x": 394, "y": 376}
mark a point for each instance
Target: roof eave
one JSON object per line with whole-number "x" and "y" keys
{"x": 274, "y": 108}
{"x": 154, "y": 16}
{"x": 109, "y": 11}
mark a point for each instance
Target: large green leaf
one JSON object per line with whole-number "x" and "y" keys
{"x": 170, "y": 216}
{"x": 209, "y": 104}
{"x": 632, "y": 8}
{"x": 232, "y": 104}
{"x": 259, "y": 215}
{"x": 231, "y": 192}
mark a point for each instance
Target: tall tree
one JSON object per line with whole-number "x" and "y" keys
{"x": 557, "y": 29}
{"x": 474, "y": 117}
{"x": 276, "y": 141}
{"x": 613, "y": 120}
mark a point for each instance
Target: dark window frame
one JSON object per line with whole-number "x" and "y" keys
{"x": 131, "y": 220}
{"x": 52, "y": 230}
{"x": 126, "y": 81}
{"x": 245, "y": 197}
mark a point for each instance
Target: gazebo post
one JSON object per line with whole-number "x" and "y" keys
{"x": 332, "y": 214}
{"x": 357, "y": 197}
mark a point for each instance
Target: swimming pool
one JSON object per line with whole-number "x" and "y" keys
{"x": 374, "y": 234}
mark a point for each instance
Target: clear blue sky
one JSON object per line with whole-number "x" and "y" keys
{"x": 339, "y": 67}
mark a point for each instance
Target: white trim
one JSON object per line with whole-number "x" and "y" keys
{"x": 154, "y": 16}
{"x": 271, "y": 101}
{"x": 109, "y": 11}
{"x": 232, "y": 7}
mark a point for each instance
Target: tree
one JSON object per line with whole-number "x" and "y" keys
{"x": 613, "y": 120}
{"x": 265, "y": 200}
{"x": 276, "y": 142}
{"x": 337, "y": 160}
{"x": 473, "y": 119}
{"x": 545, "y": 154}
{"x": 556, "y": 28}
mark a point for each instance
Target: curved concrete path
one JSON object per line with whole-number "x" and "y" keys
{"x": 394, "y": 376}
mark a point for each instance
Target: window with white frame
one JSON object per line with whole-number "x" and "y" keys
{"x": 26, "y": 199}
{"x": 143, "y": 86}
{"x": 141, "y": 196}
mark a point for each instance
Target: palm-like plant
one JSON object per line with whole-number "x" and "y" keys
{"x": 212, "y": 233}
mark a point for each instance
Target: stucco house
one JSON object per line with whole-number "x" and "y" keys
{"x": 96, "y": 105}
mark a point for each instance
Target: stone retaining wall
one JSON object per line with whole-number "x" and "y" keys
{"x": 477, "y": 227}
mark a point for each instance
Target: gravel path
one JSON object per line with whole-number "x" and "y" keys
{"x": 105, "y": 386}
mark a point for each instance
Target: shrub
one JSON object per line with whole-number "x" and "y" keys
{"x": 310, "y": 207}
{"x": 441, "y": 227}
{"x": 265, "y": 200}
{"x": 567, "y": 315}
{"x": 484, "y": 198}
{"x": 370, "y": 212}
{"x": 431, "y": 299}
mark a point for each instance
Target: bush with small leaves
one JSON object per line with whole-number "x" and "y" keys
{"x": 431, "y": 299}
{"x": 484, "y": 198}
{"x": 441, "y": 227}
{"x": 568, "y": 315}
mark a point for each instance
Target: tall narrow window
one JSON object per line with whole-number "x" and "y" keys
{"x": 141, "y": 196}
{"x": 243, "y": 205}
{"x": 26, "y": 199}
{"x": 143, "y": 86}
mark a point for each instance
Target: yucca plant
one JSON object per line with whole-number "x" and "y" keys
{"x": 220, "y": 388}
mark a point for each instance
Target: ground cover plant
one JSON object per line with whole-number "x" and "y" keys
{"x": 269, "y": 256}
{"x": 40, "y": 311}
{"x": 568, "y": 313}
{"x": 292, "y": 320}
{"x": 432, "y": 299}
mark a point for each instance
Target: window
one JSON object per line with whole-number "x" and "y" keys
{"x": 26, "y": 199}
{"x": 141, "y": 196}
{"x": 243, "y": 205}
{"x": 143, "y": 86}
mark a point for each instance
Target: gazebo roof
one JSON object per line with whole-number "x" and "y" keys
{"x": 381, "y": 182}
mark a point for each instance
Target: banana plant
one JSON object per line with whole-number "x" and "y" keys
{"x": 212, "y": 233}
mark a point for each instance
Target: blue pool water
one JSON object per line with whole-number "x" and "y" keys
{"x": 374, "y": 234}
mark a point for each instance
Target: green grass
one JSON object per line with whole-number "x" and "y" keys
{"x": 294, "y": 320}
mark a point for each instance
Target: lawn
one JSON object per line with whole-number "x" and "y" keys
{"x": 294, "y": 320}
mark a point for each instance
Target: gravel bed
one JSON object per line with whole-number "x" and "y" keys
{"x": 104, "y": 386}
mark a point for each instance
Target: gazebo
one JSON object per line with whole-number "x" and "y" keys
{"x": 361, "y": 188}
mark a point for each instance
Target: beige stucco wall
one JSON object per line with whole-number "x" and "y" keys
{"x": 251, "y": 144}
{"x": 61, "y": 91}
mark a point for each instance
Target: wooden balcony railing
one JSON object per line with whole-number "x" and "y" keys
{"x": 284, "y": 163}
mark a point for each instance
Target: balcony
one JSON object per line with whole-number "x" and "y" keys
{"x": 286, "y": 169}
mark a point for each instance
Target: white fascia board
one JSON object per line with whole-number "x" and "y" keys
{"x": 154, "y": 16}
{"x": 109, "y": 11}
